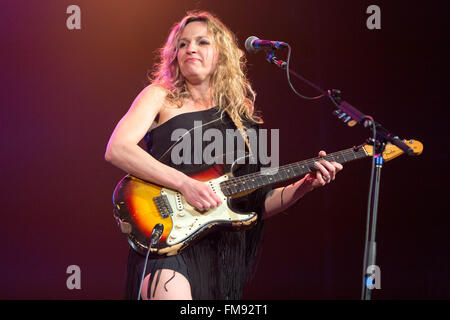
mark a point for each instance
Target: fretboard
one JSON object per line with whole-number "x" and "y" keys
{"x": 269, "y": 176}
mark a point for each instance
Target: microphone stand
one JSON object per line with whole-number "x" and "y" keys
{"x": 351, "y": 116}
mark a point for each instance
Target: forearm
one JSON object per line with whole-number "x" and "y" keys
{"x": 279, "y": 200}
{"x": 136, "y": 161}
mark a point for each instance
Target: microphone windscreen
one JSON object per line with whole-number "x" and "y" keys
{"x": 249, "y": 44}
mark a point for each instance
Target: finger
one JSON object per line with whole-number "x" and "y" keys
{"x": 338, "y": 166}
{"x": 325, "y": 176}
{"x": 203, "y": 199}
{"x": 331, "y": 169}
{"x": 320, "y": 179}
{"x": 213, "y": 203}
{"x": 198, "y": 205}
{"x": 217, "y": 199}
{"x": 322, "y": 153}
{"x": 205, "y": 204}
{"x": 213, "y": 199}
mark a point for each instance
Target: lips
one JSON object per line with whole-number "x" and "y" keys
{"x": 191, "y": 60}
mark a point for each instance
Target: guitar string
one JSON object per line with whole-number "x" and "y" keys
{"x": 296, "y": 165}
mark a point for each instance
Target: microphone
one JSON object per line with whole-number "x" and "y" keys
{"x": 254, "y": 44}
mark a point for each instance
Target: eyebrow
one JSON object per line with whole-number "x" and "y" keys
{"x": 198, "y": 37}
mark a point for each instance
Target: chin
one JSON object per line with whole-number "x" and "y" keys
{"x": 194, "y": 78}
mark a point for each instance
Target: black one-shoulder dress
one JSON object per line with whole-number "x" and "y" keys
{"x": 218, "y": 265}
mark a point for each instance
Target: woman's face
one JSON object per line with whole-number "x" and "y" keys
{"x": 197, "y": 55}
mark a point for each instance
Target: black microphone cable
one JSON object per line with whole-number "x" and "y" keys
{"x": 301, "y": 78}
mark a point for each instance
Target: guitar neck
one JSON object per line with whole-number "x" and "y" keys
{"x": 269, "y": 176}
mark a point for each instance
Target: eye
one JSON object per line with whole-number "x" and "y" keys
{"x": 204, "y": 42}
{"x": 181, "y": 45}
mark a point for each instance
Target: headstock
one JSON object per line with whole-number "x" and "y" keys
{"x": 391, "y": 151}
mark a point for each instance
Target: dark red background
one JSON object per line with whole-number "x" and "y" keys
{"x": 64, "y": 91}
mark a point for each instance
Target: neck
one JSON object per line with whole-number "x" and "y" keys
{"x": 201, "y": 94}
{"x": 241, "y": 185}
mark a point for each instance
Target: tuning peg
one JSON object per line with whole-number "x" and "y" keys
{"x": 337, "y": 112}
{"x": 343, "y": 114}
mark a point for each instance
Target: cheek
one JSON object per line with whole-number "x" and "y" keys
{"x": 213, "y": 57}
{"x": 179, "y": 56}
{"x": 181, "y": 51}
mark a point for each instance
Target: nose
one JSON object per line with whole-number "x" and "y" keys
{"x": 191, "y": 47}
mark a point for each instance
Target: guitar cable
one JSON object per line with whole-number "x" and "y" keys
{"x": 154, "y": 238}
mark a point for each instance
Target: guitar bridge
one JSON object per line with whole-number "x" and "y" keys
{"x": 163, "y": 205}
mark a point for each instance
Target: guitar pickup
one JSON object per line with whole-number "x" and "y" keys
{"x": 163, "y": 205}
{"x": 178, "y": 201}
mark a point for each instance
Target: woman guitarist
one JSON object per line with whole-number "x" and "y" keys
{"x": 200, "y": 80}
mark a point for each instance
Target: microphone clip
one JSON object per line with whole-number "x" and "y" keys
{"x": 272, "y": 59}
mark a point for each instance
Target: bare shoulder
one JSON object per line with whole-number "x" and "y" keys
{"x": 151, "y": 96}
{"x": 140, "y": 116}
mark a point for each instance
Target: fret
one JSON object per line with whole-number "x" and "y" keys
{"x": 271, "y": 179}
{"x": 286, "y": 172}
{"x": 229, "y": 189}
{"x": 282, "y": 173}
{"x": 330, "y": 158}
{"x": 297, "y": 169}
{"x": 260, "y": 181}
{"x": 233, "y": 186}
{"x": 264, "y": 179}
{"x": 223, "y": 187}
{"x": 278, "y": 176}
{"x": 252, "y": 183}
{"x": 290, "y": 173}
{"x": 340, "y": 157}
{"x": 345, "y": 156}
{"x": 361, "y": 153}
{"x": 304, "y": 167}
{"x": 310, "y": 166}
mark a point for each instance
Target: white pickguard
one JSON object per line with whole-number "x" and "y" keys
{"x": 187, "y": 219}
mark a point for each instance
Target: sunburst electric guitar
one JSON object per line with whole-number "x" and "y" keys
{"x": 139, "y": 205}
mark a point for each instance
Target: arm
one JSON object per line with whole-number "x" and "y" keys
{"x": 281, "y": 199}
{"x": 278, "y": 200}
{"x": 123, "y": 150}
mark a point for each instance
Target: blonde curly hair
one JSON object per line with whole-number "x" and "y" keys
{"x": 232, "y": 91}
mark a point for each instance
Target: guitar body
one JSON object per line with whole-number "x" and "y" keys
{"x": 140, "y": 205}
